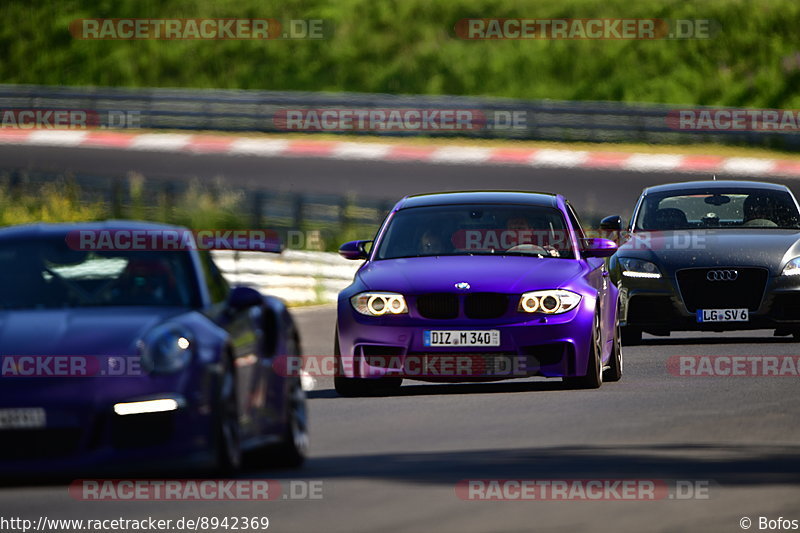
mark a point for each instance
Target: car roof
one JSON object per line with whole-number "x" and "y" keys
{"x": 708, "y": 184}
{"x": 40, "y": 230}
{"x": 480, "y": 197}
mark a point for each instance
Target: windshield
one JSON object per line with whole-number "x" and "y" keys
{"x": 46, "y": 273}
{"x": 718, "y": 208}
{"x": 476, "y": 230}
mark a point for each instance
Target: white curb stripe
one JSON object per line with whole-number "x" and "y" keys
{"x": 559, "y": 158}
{"x": 349, "y": 150}
{"x": 56, "y": 138}
{"x": 655, "y": 162}
{"x": 460, "y": 154}
{"x": 160, "y": 142}
{"x": 747, "y": 165}
{"x": 264, "y": 147}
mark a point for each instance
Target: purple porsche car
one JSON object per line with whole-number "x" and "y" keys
{"x": 478, "y": 286}
{"x": 134, "y": 357}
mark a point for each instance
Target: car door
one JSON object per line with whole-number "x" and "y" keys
{"x": 244, "y": 341}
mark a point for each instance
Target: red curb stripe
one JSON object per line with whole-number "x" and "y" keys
{"x": 209, "y": 144}
{"x": 701, "y": 162}
{"x": 511, "y": 155}
{"x": 117, "y": 140}
{"x": 787, "y": 167}
{"x": 606, "y": 159}
{"x": 318, "y": 148}
{"x": 12, "y": 135}
{"x": 410, "y": 153}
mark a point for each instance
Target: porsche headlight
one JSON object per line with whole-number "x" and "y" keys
{"x": 792, "y": 268}
{"x": 166, "y": 349}
{"x": 379, "y": 303}
{"x": 638, "y": 268}
{"x": 550, "y": 302}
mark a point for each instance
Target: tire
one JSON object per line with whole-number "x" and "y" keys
{"x": 631, "y": 336}
{"x": 357, "y": 387}
{"x": 594, "y": 371}
{"x": 227, "y": 432}
{"x": 614, "y": 371}
{"x": 293, "y": 450}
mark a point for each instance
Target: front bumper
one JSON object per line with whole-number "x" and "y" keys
{"x": 83, "y": 433}
{"x": 657, "y": 306}
{"x": 534, "y": 345}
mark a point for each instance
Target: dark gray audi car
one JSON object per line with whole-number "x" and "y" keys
{"x": 709, "y": 256}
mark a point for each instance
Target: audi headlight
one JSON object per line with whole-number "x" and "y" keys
{"x": 166, "y": 349}
{"x": 550, "y": 302}
{"x": 638, "y": 268}
{"x": 792, "y": 268}
{"x": 379, "y": 303}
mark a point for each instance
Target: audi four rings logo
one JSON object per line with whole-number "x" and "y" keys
{"x": 722, "y": 275}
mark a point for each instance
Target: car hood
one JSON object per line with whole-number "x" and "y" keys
{"x": 672, "y": 250}
{"x": 509, "y": 274}
{"x": 78, "y": 331}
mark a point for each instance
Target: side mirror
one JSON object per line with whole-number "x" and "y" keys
{"x": 597, "y": 247}
{"x": 354, "y": 250}
{"x": 244, "y": 297}
{"x": 612, "y": 223}
{"x": 611, "y": 228}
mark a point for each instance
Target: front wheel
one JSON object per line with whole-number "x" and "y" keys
{"x": 228, "y": 437}
{"x": 614, "y": 370}
{"x": 594, "y": 366}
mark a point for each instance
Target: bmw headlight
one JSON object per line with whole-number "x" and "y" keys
{"x": 792, "y": 268}
{"x": 550, "y": 302}
{"x": 166, "y": 349}
{"x": 638, "y": 268}
{"x": 379, "y": 303}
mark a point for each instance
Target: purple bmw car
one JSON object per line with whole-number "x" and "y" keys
{"x": 478, "y": 286}
{"x": 126, "y": 356}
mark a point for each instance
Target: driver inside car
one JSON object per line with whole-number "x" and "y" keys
{"x": 759, "y": 210}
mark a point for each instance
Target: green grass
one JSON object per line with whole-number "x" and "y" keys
{"x": 408, "y": 47}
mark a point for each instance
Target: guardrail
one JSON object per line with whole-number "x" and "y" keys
{"x": 240, "y": 110}
{"x": 296, "y": 276}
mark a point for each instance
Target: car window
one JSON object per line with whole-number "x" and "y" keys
{"x": 46, "y": 273}
{"x": 497, "y": 229}
{"x": 718, "y": 208}
{"x": 218, "y": 287}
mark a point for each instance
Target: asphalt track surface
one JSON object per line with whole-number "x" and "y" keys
{"x": 590, "y": 190}
{"x": 392, "y": 463}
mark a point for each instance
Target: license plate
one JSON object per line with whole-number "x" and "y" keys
{"x": 462, "y": 338}
{"x": 723, "y": 315}
{"x": 22, "y": 418}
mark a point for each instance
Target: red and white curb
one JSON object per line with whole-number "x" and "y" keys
{"x": 530, "y": 157}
